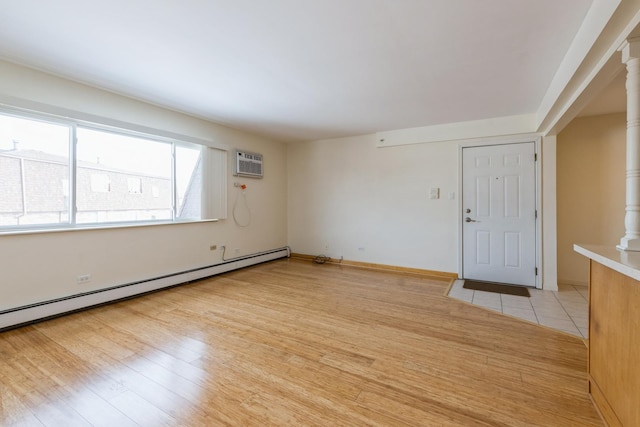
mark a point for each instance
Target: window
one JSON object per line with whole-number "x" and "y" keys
{"x": 34, "y": 159}
{"x": 134, "y": 185}
{"x": 100, "y": 183}
{"x": 119, "y": 176}
{"x": 188, "y": 183}
{"x": 121, "y": 161}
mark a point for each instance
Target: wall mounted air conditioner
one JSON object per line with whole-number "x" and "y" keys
{"x": 248, "y": 164}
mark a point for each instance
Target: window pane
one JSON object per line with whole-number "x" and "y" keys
{"x": 122, "y": 178}
{"x": 34, "y": 172}
{"x": 188, "y": 182}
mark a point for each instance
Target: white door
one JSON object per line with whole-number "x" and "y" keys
{"x": 499, "y": 213}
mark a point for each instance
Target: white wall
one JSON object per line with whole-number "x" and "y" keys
{"x": 549, "y": 217}
{"x": 347, "y": 194}
{"x": 41, "y": 266}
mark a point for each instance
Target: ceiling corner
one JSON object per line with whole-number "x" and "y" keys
{"x": 592, "y": 62}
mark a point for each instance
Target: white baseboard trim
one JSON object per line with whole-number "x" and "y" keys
{"x": 35, "y": 312}
{"x": 572, "y": 282}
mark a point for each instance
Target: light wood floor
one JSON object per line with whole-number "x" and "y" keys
{"x": 294, "y": 343}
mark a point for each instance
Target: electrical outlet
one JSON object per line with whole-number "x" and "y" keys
{"x": 213, "y": 247}
{"x": 85, "y": 278}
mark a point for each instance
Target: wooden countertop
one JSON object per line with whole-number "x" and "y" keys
{"x": 624, "y": 262}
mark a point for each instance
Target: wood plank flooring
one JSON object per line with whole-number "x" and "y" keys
{"x": 291, "y": 343}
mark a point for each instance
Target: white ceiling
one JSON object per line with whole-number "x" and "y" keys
{"x": 302, "y": 70}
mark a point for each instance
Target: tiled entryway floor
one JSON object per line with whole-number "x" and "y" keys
{"x": 565, "y": 310}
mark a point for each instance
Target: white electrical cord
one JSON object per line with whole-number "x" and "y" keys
{"x": 247, "y": 221}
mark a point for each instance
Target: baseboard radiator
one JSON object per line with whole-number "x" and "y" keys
{"x": 19, "y": 316}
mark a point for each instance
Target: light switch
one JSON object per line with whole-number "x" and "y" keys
{"x": 434, "y": 193}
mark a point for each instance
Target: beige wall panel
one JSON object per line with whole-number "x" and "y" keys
{"x": 590, "y": 189}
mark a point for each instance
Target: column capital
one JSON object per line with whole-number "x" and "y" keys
{"x": 630, "y": 49}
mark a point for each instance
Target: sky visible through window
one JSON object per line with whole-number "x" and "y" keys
{"x": 22, "y": 134}
{"x": 124, "y": 152}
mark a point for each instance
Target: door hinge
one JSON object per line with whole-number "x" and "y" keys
{"x": 536, "y": 214}
{"x": 535, "y": 157}
{"x": 536, "y": 271}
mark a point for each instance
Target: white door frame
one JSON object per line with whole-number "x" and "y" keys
{"x": 537, "y": 140}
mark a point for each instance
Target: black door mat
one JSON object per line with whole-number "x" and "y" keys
{"x": 497, "y": 288}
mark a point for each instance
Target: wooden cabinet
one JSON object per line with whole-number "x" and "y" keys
{"x": 614, "y": 344}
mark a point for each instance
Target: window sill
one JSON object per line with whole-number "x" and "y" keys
{"x": 91, "y": 227}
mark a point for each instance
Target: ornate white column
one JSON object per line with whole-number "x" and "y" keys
{"x": 631, "y": 57}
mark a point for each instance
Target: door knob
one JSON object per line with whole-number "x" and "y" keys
{"x": 467, "y": 219}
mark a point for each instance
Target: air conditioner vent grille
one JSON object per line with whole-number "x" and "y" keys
{"x": 248, "y": 164}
